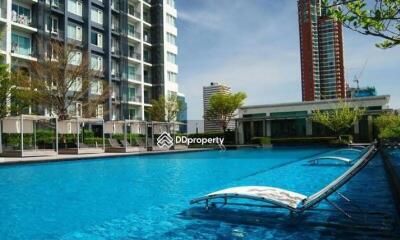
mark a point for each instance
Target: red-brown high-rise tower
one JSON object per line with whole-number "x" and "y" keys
{"x": 321, "y": 51}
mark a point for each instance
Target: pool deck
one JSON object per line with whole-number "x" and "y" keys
{"x": 68, "y": 157}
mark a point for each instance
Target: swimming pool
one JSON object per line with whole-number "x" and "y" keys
{"x": 146, "y": 197}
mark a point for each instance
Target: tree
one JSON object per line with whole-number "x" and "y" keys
{"x": 380, "y": 18}
{"x": 341, "y": 118}
{"x": 222, "y": 108}
{"x": 15, "y": 97}
{"x": 165, "y": 110}
{"x": 66, "y": 77}
{"x": 388, "y": 125}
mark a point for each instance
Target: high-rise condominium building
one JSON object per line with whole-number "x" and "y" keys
{"x": 208, "y": 91}
{"x": 321, "y": 46}
{"x": 132, "y": 42}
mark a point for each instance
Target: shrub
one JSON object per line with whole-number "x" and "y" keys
{"x": 388, "y": 126}
{"x": 261, "y": 140}
{"x": 345, "y": 139}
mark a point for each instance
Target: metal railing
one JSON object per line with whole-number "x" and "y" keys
{"x": 134, "y": 34}
{"x": 21, "y": 19}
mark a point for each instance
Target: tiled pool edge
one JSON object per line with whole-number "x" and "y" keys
{"x": 394, "y": 179}
{"x": 64, "y": 158}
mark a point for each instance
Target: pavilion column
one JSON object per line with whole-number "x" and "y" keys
{"x": 264, "y": 128}
{"x": 370, "y": 128}
{"x": 309, "y": 127}
{"x": 240, "y": 132}
{"x": 268, "y": 126}
{"x": 357, "y": 128}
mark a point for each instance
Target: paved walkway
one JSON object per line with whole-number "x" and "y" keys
{"x": 13, "y": 160}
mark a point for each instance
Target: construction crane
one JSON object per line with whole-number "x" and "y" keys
{"x": 358, "y": 77}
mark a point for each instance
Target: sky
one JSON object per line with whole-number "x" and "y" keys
{"x": 253, "y": 46}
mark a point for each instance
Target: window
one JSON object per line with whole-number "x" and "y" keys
{"x": 171, "y": 38}
{"x": 96, "y": 87}
{"x": 54, "y": 3}
{"x": 74, "y": 31}
{"x": 21, "y": 14}
{"x": 52, "y": 24}
{"x": 75, "y": 109}
{"x": 75, "y": 58}
{"x": 97, "y": 16}
{"x": 97, "y": 39}
{"x": 75, "y": 7}
{"x": 21, "y": 44}
{"x": 132, "y": 72}
{"x": 171, "y": 58}
{"x": 171, "y": 20}
{"x": 132, "y": 113}
{"x": 172, "y": 77}
{"x": 171, "y": 3}
{"x": 172, "y": 95}
{"x": 132, "y": 94}
{"x": 76, "y": 85}
{"x": 99, "y": 111}
{"x": 114, "y": 68}
{"x": 96, "y": 62}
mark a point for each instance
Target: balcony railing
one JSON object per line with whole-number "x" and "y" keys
{"x": 3, "y": 13}
{"x": 21, "y": 19}
{"x": 135, "y": 77}
{"x": 134, "y": 34}
{"x": 134, "y": 13}
{"x": 147, "y": 79}
{"x": 134, "y": 55}
{"x": 147, "y": 17}
{"x": 57, "y": 34}
{"x": 135, "y": 99}
{"x": 146, "y": 38}
{"x": 147, "y": 58}
{"x": 15, "y": 48}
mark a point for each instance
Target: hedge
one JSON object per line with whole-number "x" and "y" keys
{"x": 261, "y": 140}
{"x": 229, "y": 136}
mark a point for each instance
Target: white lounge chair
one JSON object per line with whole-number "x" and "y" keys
{"x": 294, "y": 202}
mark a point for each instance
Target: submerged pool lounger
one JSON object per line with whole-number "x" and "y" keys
{"x": 342, "y": 159}
{"x": 294, "y": 202}
{"x": 350, "y": 150}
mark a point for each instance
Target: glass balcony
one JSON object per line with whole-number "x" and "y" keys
{"x": 134, "y": 34}
{"x": 135, "y": 77}
{"x": 21, "y": 46}
{"x": 134, "y": 55}
{"x": 134, "y": 98}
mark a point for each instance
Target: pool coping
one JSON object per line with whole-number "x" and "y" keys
{"x": 71, "y": 157}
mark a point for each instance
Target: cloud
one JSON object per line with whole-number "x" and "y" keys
{"x": 253, "y": 46}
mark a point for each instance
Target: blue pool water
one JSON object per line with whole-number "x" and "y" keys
{"x": 146, "y": 197}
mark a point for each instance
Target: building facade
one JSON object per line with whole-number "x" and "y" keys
{"x": 292, "y": 120}
{"x": 321, "y": 52}
{"x": 132, "y": 42}
{"x": 208, "y": 91}
{"x": 358, "y": 92}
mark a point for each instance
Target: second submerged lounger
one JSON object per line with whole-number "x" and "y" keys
{"x": 341, "y": 159}
{"x": 295, "y": 202}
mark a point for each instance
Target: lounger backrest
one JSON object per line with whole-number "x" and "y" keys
{"x": 340, "y": 181}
